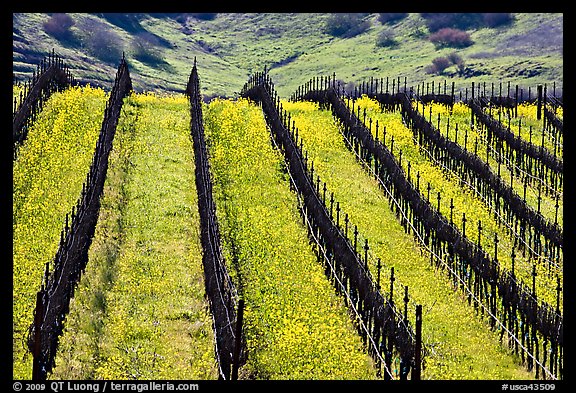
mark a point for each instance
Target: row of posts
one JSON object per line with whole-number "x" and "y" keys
{"x": 321, "y": 194}
{"x": 491, "y": 181}
{"x": 53, "y": 299}
{"x": 476, "y": 286}
{"x": 51, "y": 75}
{"x": 222, "y": 293}
{"x": 464, "y": 226}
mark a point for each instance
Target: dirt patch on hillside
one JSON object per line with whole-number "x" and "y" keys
{"x": 543, "y": 38}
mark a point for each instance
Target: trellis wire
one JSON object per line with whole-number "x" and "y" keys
{"x": 300, "y": 96}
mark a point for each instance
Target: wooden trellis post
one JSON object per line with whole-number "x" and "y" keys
{"x": 37, "y": 373}
{"x": 238, "y": 340}
{"x": 417, "y": 370}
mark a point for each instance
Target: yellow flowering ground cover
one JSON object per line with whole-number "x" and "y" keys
{"x": 140, "y": 312}
{"x": 465, "y": 202}
{"x": 458, "y": 344}
{"x": 520, "y": 125}
{"x": 47, "y": 181}
{"x": 559, "y": 111}
{"x": 296, "y": 327}
{"x": 460, "y": 115}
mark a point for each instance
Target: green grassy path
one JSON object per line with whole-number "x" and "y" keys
{"x": 140, "y": 312}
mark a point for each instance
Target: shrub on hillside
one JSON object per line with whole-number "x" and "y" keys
{"x": 455, "y": 59}
{"x": 58, "y": 26}
{"x": 495, "y": 19}
{"x": 387, "y": 38}
{"x": 439, "y": 64}
{"x": 463, "y": 21}
{"x": 346, "y": 25}
{"x": 389, "y": 17}
{"x": 449, "y": 37}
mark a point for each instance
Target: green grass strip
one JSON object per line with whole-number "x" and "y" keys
{"x": 140, "y": 311}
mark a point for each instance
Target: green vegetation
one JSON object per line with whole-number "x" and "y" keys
{"x": 346, "y": 25}
{"x": 47, "y": 180}
{"x": 296, "y": 327}
{"x": 458, "y": 345}
{"x": 139, "y": 311}
{"x": 294, "y": 46}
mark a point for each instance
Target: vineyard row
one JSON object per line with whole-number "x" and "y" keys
{"x": 221, "y": 291}
{"x": 383, "y": 325}
{"x": 434, "y": 91}
{"x": 497, "y": 190}
{"x": 523, "y": 149}
{"x": 51, "y": 75}
{"x": 53, "y": 299}
{"x": 461, "y": 254}
{"x": 373, "y": 88}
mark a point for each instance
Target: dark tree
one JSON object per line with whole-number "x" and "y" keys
{"x": 436, "y": 21}
{"x": 495, "y": 19}
{"x": 387, "y": 38}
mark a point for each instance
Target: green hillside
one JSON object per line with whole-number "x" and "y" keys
{"x": 229, "y": 47}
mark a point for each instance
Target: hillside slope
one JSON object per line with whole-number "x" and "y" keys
{"x": 229, "y": 47}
